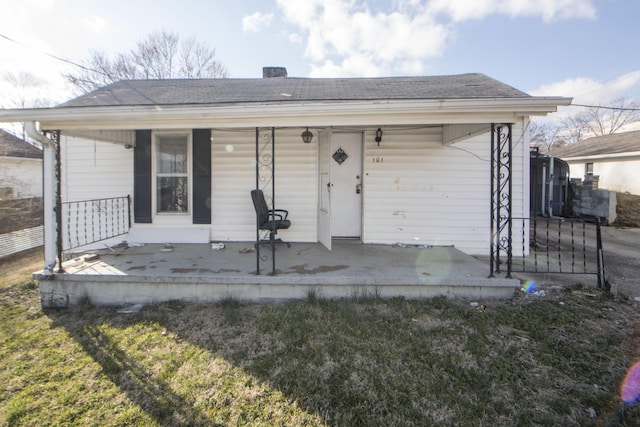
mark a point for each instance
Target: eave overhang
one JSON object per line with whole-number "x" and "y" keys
{"x": 290, "y": 114}
{"x": 594, "y": 157}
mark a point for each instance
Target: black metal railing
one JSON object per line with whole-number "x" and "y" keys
{"x": 501, "y": 202}
{"x": 559, "y": 246}
{"x": 90, "y": 221}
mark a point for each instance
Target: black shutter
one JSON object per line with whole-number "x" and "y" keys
{"x": 142, "y": 177}
{"x": 202, "y": 176}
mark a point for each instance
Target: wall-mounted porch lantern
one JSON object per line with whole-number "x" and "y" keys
{"x": 379, "y": 136}
{"x": 307, "y": 136}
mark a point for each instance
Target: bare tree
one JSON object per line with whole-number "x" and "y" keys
{"x": 610, "y": 119}
{"x": 25, "y": 91}
{"x": 545, "y": 136}
{"x": 162, "y": 55}
{"x": 574, "y": 128}
{"x": 587, "y": 122}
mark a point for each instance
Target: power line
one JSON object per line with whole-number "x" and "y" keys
{"x": 606, "y": 107}
{"x": 52, "y": 56}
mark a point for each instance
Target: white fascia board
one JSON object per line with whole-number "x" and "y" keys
{"x": 477, "y": 110}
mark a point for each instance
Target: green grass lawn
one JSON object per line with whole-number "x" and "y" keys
{"x": 554, "y": 360}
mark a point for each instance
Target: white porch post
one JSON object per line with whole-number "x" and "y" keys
{"x": 49, "y": 196}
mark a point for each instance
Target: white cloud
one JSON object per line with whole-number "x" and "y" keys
{"x": 95, "y": 23}
{"x": 296, "y": 38}
{"x": 585, "y": 90}
{"x": 42, "y": 5}
{"x": 549, "y": 10}
{"x": 256, "y": 22}
{"x": 345, "y": 37}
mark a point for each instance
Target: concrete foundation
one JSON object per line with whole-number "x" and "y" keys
{"x": 196, "y": 273}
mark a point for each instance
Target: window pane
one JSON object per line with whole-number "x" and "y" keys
{"x": 173, "y": 195}
{"x": 172, "y": 154}
{"x": 588, "y": 168}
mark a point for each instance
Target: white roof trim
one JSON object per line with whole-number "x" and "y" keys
{"x": 601, "y": 156}
{"x": 381, "y": 112}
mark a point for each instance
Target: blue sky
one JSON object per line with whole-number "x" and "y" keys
{"x": 587, "y": 49}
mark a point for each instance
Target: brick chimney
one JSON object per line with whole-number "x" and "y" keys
{"x": 268, "y": 72}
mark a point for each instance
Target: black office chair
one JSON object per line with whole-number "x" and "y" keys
{"x": 270, "y": 220}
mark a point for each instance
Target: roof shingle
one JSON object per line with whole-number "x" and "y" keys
{"x": 12, "y": 146}
{"x": 616, "y": 143}
{"x": 229, "y": 91}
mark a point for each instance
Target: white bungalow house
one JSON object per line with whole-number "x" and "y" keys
{"x": 614, "y": 159}
{"x": 434, "y": 161}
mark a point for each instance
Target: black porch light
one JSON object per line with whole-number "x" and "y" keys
{"x": 379, "y": 136}
{"x": 307, "y": 136}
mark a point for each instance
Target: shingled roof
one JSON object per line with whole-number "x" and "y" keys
{"x": 12, "y": 146}
{"x": 290, "y": 89}
{"x": 616, "y": 143}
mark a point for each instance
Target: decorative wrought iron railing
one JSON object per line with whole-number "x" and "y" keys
{"x": 559, "y": 246}
{"x": 501, "y": 202}
{"x": 90, "y": 221}
{"x": 265, "y": 181}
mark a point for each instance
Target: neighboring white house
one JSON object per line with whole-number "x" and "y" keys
{"x": 399, "y": 159}
{"x": 20, "y": 178}
{"x": 20, "y": 168}
{"x": 614, "y": 159}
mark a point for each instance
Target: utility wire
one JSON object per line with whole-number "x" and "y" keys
{"x": 53, "y": 56}
{"x": 606, "y": 107}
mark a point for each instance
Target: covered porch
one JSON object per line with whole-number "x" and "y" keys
{"x": 155, "y": 273}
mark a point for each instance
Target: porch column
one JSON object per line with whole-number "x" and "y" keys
{"x": 265, "y": 181}
{"x": 49, "y": 191}
{"x": 501, "y": 201}
{"x": 55, "y": 137}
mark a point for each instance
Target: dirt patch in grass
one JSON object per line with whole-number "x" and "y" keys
{"x": 18, "y": 268}
{"x": 628, "y": 210}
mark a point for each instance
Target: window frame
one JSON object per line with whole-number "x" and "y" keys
{"x": 588, "y": 169}
{"x": 171, "y": 217}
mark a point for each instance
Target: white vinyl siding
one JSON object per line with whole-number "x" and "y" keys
{"x": 234, "y": 174}
{"x": 92, "y": 170}
{"x": 95, "y": 169}
{"x": 21, "y": 240}
{"x": 419, "y": 191}
{"x": 615, "y": 173}
{"x": 22, "y": 175}
{"x": 122, "y": 137}
{"x": 415, "y": 189}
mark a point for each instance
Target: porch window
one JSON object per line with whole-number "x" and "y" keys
{"x": 172, "y": 174}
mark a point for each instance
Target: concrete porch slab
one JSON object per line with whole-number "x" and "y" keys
{"x": 154, "y": 273}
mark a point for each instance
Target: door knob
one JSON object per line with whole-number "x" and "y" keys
{"x": 358, "y": 188}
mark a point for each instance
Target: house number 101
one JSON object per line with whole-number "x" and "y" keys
{"x": 378, "y": 160}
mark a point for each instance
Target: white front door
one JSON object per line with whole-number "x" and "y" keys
{"x": 346, "y": 185}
